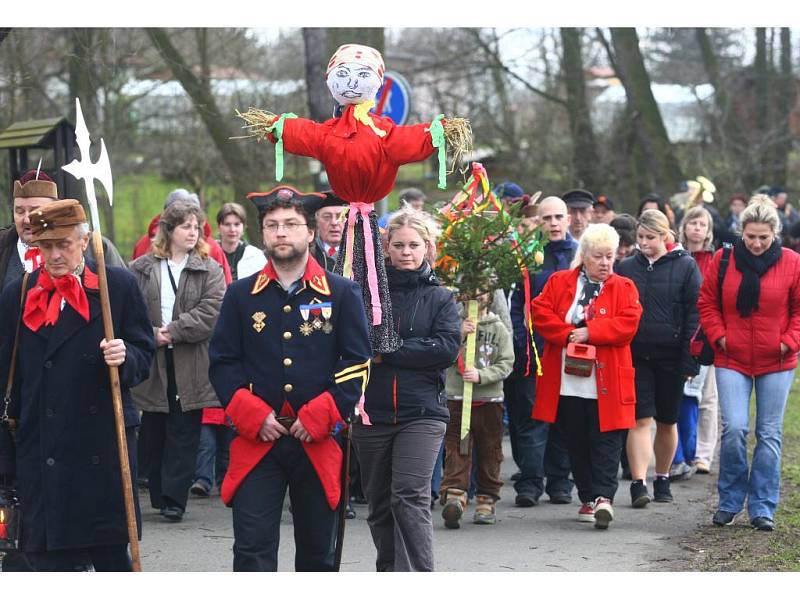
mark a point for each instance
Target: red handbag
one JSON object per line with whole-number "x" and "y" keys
{"x": 580, "y": 359}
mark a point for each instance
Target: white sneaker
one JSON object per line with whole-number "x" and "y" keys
{"x": 603, "y": 513}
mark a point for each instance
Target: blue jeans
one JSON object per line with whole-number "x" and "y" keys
{"x": 212, "y": 454}
{"x": 761, "y": 485}
{"x": 687, "y": 431}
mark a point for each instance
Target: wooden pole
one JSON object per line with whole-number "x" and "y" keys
{"x": 469, "y": 362}
{"x": 116, "y": 396}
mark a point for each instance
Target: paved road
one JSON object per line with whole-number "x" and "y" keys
{"x": 543, "y": 538}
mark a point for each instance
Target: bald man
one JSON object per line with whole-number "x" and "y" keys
{"x": 538, "y": 448}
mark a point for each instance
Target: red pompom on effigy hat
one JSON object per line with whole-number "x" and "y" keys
{"x": 32, "y": 186}
{"x": 57, "y": 220}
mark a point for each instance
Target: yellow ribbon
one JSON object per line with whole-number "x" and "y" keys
{"x": 361, "y": 114}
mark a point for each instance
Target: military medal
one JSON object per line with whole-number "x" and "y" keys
{"x": 327, "y": 328}
{"x": 317, "y": 323}
{"x": 305, "y": 326}
{"x": 258, "y": 321}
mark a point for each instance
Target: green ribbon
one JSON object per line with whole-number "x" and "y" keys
{"x": 438, "y": 141}
{"x": 276, "y": 129}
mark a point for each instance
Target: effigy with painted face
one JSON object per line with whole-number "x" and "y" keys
{"x": 361, "y": 153}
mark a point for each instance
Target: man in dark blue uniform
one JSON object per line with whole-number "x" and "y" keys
{"x": 67, "y": 463}
{"x": 289, "y": 359}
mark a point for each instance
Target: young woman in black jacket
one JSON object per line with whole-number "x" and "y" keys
{"x": 405, "y": 414}
{"x": 668, "y": 282}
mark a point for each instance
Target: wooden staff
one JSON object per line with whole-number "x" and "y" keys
{"x": 469, "y": 362}
{"x": 116, "y": 398}
{"x": 88, "y": 171}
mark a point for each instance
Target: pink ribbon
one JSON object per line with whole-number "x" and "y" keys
{"x": 364, "y": 210}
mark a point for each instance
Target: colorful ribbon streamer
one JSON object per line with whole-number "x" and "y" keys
{"x": 276, "y": 129}
{"x": 438, "y": 141}
{"x": 353, "y": 210}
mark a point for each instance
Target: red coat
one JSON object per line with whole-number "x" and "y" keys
{"x": 754, "y": 344}
{"x": 611, "y": 329}
{"x": 361, "y": 166}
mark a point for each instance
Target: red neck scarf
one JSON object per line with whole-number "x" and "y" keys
{"x": 34, "y": 255}
{"x": 42, "y": 308}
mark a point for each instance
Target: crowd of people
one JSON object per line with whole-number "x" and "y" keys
{"x": 252, "y": 372}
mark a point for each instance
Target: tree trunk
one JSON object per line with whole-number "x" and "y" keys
{"x": 368, "y": 36}
{"x": 761, "y": 75}
{"x": 243, "y": 176}
{"x": 786, "y": 100}
{"x": 320, "y": 102}
{"x": 665, "y": 171}
{"x": 584, "y": 150}
{"x": 727, "y": 133}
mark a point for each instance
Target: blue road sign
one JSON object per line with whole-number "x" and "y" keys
{"x": 394, "y": 98}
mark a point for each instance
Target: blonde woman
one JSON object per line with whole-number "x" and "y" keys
{"x": 754, "y": 324}
{"x": 697, "y": 425}
{"x": 668, "y": 281}
{"x": 183, "y": 290}
{"x": 405, "y": 408}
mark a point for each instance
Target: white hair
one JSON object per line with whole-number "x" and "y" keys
{"x": 596, "y": 236}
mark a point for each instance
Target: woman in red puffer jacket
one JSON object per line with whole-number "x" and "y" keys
{"x": 755, "y": 330}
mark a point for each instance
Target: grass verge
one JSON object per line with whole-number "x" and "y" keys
{"x": 741, "y": 548}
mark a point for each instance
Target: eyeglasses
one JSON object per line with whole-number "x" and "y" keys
{"x": 288, "y": 227}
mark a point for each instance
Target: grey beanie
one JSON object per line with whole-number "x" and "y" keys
{"x": 183, "y": 195}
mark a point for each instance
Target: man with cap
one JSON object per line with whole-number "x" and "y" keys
{"x": 67, "y": 464}
{"x": 330, "y": 225}
{"x": 33, "y": 190}
{"x": 580, "y": 205}
{"x": 289, "y": 360}
{"x": 603, "y": 210}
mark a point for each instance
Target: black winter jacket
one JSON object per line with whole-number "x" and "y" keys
{"x": 409, "y": 383}
{"x": 668, "y": 291}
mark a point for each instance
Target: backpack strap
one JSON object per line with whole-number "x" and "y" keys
{"x": 727, "y": 247}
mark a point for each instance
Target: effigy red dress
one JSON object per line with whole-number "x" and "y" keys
{"x": 362, "y": 166}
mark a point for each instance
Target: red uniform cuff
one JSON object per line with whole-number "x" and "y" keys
{"x": 319, "y": 416}
{"x": 247, "y": 411}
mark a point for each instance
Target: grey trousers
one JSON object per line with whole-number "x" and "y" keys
{"x": 396, "y": 467}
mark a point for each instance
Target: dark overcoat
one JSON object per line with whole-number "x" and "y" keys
{"x": 67, "y": 467}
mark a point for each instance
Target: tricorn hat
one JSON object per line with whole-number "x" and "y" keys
{"x": 35, "y": 184}
{"x": 311, "y": 201}
{"x": 57, "y": 220}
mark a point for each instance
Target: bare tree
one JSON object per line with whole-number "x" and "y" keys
{"x": 239, "y": 168}
{"x": 663, "y": 168}
{"x": 585, "y": 163}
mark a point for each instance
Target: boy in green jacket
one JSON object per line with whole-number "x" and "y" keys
{"x": 494, "y": 360}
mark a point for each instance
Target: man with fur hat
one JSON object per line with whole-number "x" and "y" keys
{"x": 33, "y": 190}
{"x": 67, "y": 464}
{"x": 289, "y": 359}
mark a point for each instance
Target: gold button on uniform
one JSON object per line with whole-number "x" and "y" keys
{"x": 287, "y": 362}
{"x": 288, "y": 387}
{"x": 287, "y": 335}
{"x": 287, "y": 309}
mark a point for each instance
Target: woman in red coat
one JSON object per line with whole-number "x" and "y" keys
{"x": 754, "y": 326}
{"x": 589, "y": 304}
